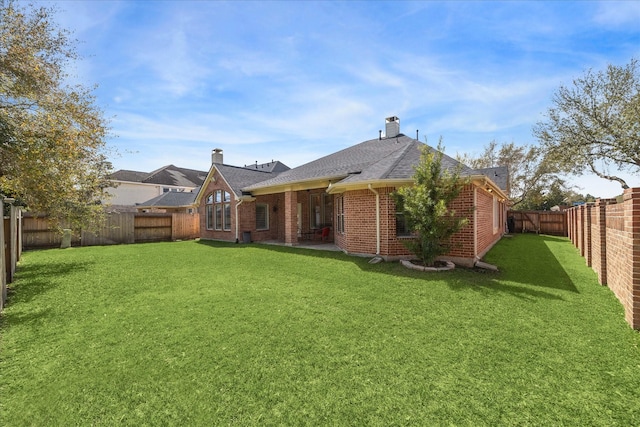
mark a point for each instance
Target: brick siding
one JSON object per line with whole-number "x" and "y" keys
{"x": 359, "y": 235}
{"x": 607, "y": 234}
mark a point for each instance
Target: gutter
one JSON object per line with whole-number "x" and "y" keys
{"x": 237, "y": 222}
{"x": 377, "y": 218}
{"x": 240, "y": 200}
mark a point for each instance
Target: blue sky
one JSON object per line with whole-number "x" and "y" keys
{"x": 293, "y": 81}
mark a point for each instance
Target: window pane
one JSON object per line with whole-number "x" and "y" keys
{"x": 209, "y": 216}
{"x": 402, "y": 228}
{"x": 340, "y": 214}
{"x": 227, "y": 197}
{"x": 316, "y": 211}
{"x": 328, "y": 209}
{"x": 210, "y": 199}
{"x": 218, "y": 196}
{"x": 218, "y": 218}
{"x": 262, "y": 216}
{"x": 227, "y": 216}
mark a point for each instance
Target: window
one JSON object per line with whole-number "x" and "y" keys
{"x": 209, "y": 212}
{"x": 340, "y": 214}
{"x": 222, "y": 210}
{"x": 496, "y": 215}
{"x": 403, "y": 227}
{"x": 321, "y": 214}
{"x": 262, "y": 216}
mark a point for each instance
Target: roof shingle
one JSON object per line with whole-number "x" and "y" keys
{"x": 375, "y": 159}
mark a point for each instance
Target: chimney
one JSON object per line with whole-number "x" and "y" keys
{"x": 216, "y": 156}
{"x": 391, "y": 127}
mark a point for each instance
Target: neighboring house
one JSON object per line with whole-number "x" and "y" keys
{"x": 345, "y": 198}
{"x": 171, "y": 202}
{"x": 133, "y": 187}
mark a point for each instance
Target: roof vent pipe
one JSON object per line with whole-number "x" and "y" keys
{"x": 216, "y": 156}
{"x": 379, "y": 135}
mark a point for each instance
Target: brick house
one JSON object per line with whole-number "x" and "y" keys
{"x": 344, "y": 198}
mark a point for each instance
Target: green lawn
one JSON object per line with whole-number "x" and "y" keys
{"x": 196, "y": 333}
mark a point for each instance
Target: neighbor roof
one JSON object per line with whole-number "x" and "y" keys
{"x": 273, "y": 166}
{"x": 166, "y": 175}
{"x": 171, "y": 199}
{"x": 375, "y": 159}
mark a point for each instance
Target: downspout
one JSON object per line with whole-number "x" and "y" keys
{"x": 237, "y": 218}
{"x": 377, "y": 219}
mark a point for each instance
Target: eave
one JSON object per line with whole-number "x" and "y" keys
{"x": 307, "y": 184}
{"x": 485, "y": 182}
{"x": 339, "y": 187}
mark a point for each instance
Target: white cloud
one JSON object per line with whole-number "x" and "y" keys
{"x": 618, "y": 13}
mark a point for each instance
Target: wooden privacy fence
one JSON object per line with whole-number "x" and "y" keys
{"x": 545, "y": 222}
{"x": 118, "y": 228}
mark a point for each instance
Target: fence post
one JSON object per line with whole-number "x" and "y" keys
{"x": 3, "y": 269}
{"x": 631, "y": 198}
{"x": 587, "y": 235}
{"x": 13, "y": 240}
{"x": 601, "y": 205}
{"x": 19, "y": 232}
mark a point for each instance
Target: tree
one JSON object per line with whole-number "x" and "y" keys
{"x": 52, "y": 136}
{"x": 594, "y": 125}
{"x": 426, "y": 206}
{"x": 530, "y": 172}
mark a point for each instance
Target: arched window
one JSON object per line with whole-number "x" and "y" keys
{"x": 222, "y": 210}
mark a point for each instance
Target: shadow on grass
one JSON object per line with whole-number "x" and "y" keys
{"x": 35, "y": 279}
{"x": 528, "y": 259}
{"x": 315, "y": 253}
{"x": 528, "y": 268}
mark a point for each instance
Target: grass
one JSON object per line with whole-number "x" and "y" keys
{"x": 195, "y": 333}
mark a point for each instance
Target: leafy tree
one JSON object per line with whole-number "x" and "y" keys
{"x": 594, "y": 125}
{"x": 530, "y": 172}
{"x": 52, "y": 149}
{"x": 426, "y": 206}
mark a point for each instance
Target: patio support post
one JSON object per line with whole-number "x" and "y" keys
{"x": 290, "y": 217}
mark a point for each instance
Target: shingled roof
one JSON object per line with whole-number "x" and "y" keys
{"x": 166, "y": 175}
{"x": 499, "y": 175}
{"x": 275, "y": 166}
{"x": 241, "y": 177}
{"x": 171, "y": 199}
{"x": 373, "y": 160}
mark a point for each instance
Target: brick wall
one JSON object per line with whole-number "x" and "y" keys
{"x": 608, "y": 235}
{"x": 217, "y": 183}
{"x": 247, "y": 216}
{"x": 359, "y": 236}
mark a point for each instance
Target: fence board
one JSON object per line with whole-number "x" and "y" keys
{"x": 152, "y": 227}
{"x": 118, "y": 228}
{"x": 124, "y": 227}
{"x": 185, "y": 226}
{"x": 546, "y": 222}
{"x": 38, "y": 233}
